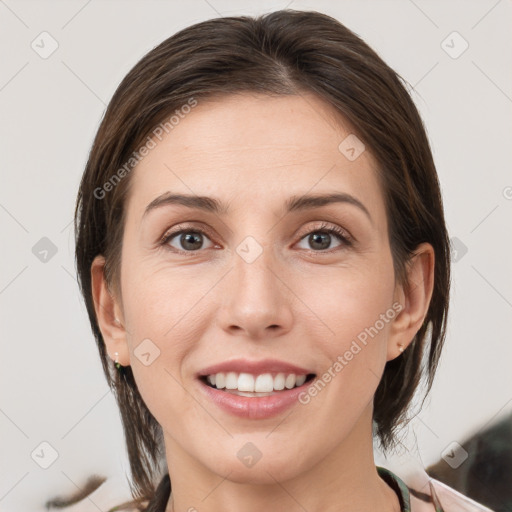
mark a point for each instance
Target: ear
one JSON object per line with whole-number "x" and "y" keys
{"x": 414, "y": 297}
{"x": 109, "y": 314}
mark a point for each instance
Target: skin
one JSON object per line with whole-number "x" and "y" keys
{"x": 210, "y": 305}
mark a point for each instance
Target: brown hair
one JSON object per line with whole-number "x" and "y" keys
{"x": 279, "y": 53}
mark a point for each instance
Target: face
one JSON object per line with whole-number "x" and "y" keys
{"x": 311, "y": 287}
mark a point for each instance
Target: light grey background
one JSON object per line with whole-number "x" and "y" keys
{"x": 53, "y": 389}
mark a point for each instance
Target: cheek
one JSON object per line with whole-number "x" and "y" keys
{"x": 350, "y": 329}
{"x": 165, "y": 318}
{"x": 358, "y": 313}
{"x": 348, "y": 301}
{"x": 164, "y": 303}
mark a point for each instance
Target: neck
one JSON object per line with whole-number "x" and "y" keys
{"x": 346, "y": 479}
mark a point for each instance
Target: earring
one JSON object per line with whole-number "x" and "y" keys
{"x": 117, "y": 364}
{"x": 400, "y": 348}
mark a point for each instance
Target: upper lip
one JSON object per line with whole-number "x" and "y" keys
{"x": 254, "y": 367}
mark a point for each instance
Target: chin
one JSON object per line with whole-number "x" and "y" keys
{"x": 250, "y": 466}
{"x": 260, "y": 474}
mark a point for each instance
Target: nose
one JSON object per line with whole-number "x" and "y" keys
{"x": 257, "y": 302}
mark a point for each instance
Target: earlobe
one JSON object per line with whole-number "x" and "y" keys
{"x": 108, "y": 314}
{"x": 414, "y": 297}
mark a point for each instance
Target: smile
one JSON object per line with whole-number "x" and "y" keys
{"x": 271, "y": 394}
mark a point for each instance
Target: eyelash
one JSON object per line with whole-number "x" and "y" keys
{"x": 340, "y": 233}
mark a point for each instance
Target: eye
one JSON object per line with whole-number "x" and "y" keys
{"x": 190, "y": 239}
{"x": 320, "y": 238}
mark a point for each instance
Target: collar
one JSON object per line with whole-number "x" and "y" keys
{"x": 398, "y": 486}
{"x": 401, "y": 489}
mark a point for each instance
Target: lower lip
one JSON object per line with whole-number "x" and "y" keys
{"x": 254, "y": 408}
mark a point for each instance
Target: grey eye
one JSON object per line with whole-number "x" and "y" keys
{"x": 320, "y": 240}
{"x": 190, "y": 240}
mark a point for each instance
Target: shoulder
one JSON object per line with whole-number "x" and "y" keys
{"x": 429, "y": 495}
{"x": 418, "y": 505}
{"x": 452, "y": 500}
{"x": 443, "y": 498}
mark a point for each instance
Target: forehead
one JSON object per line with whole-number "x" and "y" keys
{"x": 255, "y": 150}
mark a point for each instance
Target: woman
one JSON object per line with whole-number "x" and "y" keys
{"x": 261, "y": 246}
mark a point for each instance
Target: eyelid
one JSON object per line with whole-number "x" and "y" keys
{"x": 327, "y": 226}
{"x": 343, "y": 234}
{"x": 185, "y": 226}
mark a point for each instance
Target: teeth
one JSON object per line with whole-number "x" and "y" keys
{"x": 264, "y": 383}
{"x": 300, "y": 380}
{"x": 248, "y": 383}
{"x": 279, "y": 381}
{"x": 245, "y": 382}
{"x": 231, "y": 380}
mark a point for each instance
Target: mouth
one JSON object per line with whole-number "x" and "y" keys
{"x": 256, "y": 404}
{"x": 254, "y": 389}
{"x": 254, "y": 386}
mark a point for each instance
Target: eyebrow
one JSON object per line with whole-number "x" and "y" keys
{"x": 292, "y": 204}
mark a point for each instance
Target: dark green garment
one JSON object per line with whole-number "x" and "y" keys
{"x": 402, "y": 490}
